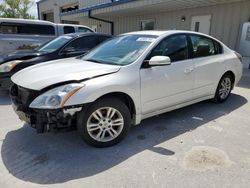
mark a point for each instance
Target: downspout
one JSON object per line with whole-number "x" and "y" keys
{"x": 38, "y": 10}
{"x": 102, "y": 20}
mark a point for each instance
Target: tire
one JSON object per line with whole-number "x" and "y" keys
{"x": 105, "y": 123}
{"x": 225, "y": 83}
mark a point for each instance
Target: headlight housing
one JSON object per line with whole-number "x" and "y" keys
{"x": 55, "y": 98}
{"x": 7, "y": 67}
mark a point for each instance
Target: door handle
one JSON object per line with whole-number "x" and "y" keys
{"x": 188, "y": 70}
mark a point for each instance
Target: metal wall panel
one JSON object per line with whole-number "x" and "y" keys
{"x": 226, "y": 23}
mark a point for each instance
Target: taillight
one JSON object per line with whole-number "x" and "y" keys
{"x": 239, "y": 57}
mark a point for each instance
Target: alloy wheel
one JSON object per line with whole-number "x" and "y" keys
{"x": 225, "y": 88}
{"x": 105, "y": 124}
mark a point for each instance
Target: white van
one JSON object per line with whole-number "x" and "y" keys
{"x": 22, "y": 34}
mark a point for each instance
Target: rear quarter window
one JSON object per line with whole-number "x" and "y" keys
{"x": 218, "y": 48}
{"x": 205, "y": 46}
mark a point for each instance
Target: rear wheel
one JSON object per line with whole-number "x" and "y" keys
{"x": 105, "y": 123}
{"x": 224, "y": 88}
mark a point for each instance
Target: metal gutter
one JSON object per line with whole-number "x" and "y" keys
{"x": 96, "y": 7}
{"x": 102, "y": 20}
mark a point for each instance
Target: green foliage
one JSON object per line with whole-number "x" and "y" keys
{"x": 16, "y": 9}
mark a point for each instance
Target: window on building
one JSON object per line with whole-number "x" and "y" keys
{"x": 68, "y": 29}
{"x": 48, "y": 16}
{"x": 27, "y": 29}
{"x": 175, "y": 47}
{"x": 197, "y": 26}
{"x": 147, "y": 25}
{"x": 203, "y": 46}
{"x": 68, "y": 8}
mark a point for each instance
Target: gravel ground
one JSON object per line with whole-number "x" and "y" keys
{"x": 203, "y": 145}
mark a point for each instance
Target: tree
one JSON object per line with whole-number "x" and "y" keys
{"x": 15, "y": 9}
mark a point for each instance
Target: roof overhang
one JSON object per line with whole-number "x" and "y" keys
{"x": 140, "y": 7}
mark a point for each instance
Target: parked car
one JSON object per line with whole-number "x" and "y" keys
{"x": 21, "y": 34}
{"x": 70, "y": 45}
{"x": 123, "y": 81}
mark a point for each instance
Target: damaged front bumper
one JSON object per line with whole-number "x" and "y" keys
{"x": 42, "y": 120}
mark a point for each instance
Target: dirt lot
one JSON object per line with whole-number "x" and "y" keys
{"x": 204, "y": 145}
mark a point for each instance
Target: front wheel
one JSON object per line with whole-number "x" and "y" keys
{"x": 105, "y": 123}
{"x": 224, "y": 89}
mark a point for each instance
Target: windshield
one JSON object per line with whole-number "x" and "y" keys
{"x": 122, "y": 50}
{"x": 54, "y": 44}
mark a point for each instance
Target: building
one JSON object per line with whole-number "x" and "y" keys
{"x": 222, "y": 19}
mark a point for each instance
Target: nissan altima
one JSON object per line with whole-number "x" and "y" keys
{"x": 129, "y": 78}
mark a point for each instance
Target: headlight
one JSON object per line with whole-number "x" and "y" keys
{"x": 55, "y": 98}
{"x": 7, "y": 67}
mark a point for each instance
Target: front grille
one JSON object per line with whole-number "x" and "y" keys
{"x": 22, "y": 97}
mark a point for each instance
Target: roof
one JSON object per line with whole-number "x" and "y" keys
{"x": 19, "y": 20}
{"x": 96, "y": 6}
{"x": 77, "y": 25}
{"x": 163, "y": 32}
{"x": 151, "y": 32}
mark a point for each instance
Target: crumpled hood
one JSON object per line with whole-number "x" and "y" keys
{"x": 20, "y": 55}
{"x": 44, "y": 75}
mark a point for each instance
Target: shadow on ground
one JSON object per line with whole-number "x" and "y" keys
{"x": 245, "y": 81}
{"x": 51, "y": 159}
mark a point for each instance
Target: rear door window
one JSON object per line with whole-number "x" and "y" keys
{"x": 68, "y": 29}
{"x": 83, "y": 43}
{"x": 103, "y": 38}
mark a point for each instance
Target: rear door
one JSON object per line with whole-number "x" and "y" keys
{"x": 208, "y": 63}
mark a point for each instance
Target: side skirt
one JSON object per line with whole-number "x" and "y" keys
{"x": 139, "y": 118}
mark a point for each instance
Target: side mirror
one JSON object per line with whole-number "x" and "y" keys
{"x": 159, "y": 61}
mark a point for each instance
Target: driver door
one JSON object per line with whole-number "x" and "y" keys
{"x": 170, "y": 85}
